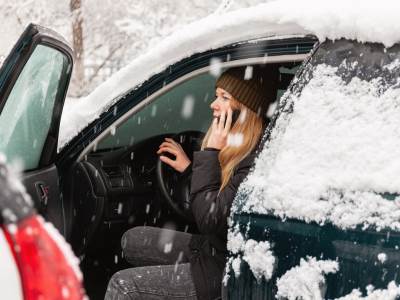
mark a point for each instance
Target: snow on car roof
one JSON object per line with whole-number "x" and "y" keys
{"x": 359, "y": 19}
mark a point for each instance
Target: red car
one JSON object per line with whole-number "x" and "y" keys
{"x": 36, "y": 262}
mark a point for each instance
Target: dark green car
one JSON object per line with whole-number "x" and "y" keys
{"x": 318, "y": 217}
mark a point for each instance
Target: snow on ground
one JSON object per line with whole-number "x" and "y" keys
{"x": 359, "y": 19}
{"x": 258, "y": 255}
{"x": 306, "y": 281}
{"x": 336, "y": 166}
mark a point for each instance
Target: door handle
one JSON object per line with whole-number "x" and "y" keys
{"x": 43, "y": 193}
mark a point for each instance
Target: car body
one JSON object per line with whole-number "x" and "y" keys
{"x": 329, "y": 212}
{"x": 104, "y": 178}
{"x": 36, "y": 261}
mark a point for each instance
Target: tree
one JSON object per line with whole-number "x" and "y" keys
{"x": 78, "y": 46}
{"x": 106, "y": 34}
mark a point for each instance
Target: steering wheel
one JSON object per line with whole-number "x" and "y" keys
{"x": 175, "y": 188}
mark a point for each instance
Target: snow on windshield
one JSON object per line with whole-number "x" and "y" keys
{"x": 334, "y": 158}
{"x": 362, "y": 20}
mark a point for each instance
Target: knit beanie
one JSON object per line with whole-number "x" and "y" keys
{"x": 253, "y": 86}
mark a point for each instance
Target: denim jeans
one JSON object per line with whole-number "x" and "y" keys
{"x": 161, "y": 271}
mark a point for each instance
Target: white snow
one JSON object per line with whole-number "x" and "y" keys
{"x": 12, "y": 173}
{"x": 215, "y": 67}
{"x": 336, "y": 165}
{"x": 306, "y": 281}
{"x": 364, "y": 20}
{"x": 260, "y": 258}
{"x": 391, "y": 293}
{"x": 235, "y": 139}
{"x": 258, "y": 255}
{"x": 187, "y": 107}
{"x": 382, "y": 257}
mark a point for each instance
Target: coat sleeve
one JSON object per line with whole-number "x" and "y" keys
{"x": 210, "y": 207}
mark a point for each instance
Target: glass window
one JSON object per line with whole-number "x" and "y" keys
{"x": 334, "y": 150}
{"x": 27, "y": 114}
{"x": 185, "y": 107}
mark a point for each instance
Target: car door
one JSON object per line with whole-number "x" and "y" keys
{"x": 320, "y": 236}
{"x": 33, "y": 83}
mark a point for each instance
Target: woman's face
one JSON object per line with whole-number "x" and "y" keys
{"x": 223, "y": 102}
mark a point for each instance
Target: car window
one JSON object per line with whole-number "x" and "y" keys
{"x": 26, "y": 117}
{"x": 185, "y": 107}
{"x": 334, "y": 151}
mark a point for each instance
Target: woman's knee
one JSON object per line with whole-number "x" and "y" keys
{"x": 137, "y": 241}
{"x": 121, "y": 287}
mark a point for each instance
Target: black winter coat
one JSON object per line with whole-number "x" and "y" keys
{"x": 211, "y": 211}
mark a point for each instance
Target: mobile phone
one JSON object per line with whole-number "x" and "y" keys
{"x": 235, "y": 116}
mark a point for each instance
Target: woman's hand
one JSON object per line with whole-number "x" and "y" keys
{"x": 181, "y": 161}
{"x": 220, "y": 130}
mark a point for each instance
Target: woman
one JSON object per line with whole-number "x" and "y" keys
{"x": 190, "y": 266}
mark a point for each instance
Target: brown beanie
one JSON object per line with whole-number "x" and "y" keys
{"x": 257, "y": 90}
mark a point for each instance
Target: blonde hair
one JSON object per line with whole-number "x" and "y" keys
{"x": 249, "y": 127}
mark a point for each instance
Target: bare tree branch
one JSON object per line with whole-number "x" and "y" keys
{"x": 106, "y": 59}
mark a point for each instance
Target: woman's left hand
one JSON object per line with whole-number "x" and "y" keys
{"x": 220, "y": 129}
{"x": 181, "y": 161}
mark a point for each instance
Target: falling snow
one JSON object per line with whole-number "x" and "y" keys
{"x": 188, "y": 107}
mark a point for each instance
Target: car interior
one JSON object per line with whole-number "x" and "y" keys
{"x": 121, "y": 183}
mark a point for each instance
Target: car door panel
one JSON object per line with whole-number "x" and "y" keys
{"x": 43, "y": 187}
{"x": 33, "y": 84}
{"x": 357, "y": 252}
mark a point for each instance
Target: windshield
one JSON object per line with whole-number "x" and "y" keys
{"x": 333, "y": 154}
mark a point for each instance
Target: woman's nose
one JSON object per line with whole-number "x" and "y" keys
{"x": 214, "y": 104}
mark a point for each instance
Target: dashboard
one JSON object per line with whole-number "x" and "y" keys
{"x": 118, "y": 187}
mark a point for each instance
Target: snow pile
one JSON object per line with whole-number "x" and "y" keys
{"x": 341, "y": 165}
{"x": 359, "y": 19}
{"x": 391, "y": 293}
{"x": 258, "y": 255}
{"x": 306, "y": 281}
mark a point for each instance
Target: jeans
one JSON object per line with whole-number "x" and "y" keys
{"x": 162, "y": 269}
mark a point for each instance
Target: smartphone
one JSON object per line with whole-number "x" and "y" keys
{"x": 235, "y": 117}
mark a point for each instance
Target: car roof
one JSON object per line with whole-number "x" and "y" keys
{"x": 277, "y": 19}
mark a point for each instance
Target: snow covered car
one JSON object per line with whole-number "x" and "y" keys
{"x": 36, "y": 262}
{"x": 319, "y": 216}
{"x": 105, "y": 176}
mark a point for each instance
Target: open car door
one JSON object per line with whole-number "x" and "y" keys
{"x": 33, "y": 84}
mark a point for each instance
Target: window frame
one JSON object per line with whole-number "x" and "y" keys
{"x": 14, "y": 64}
{"x": 271, "y": 49}
{"x": 251, "y": 61}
